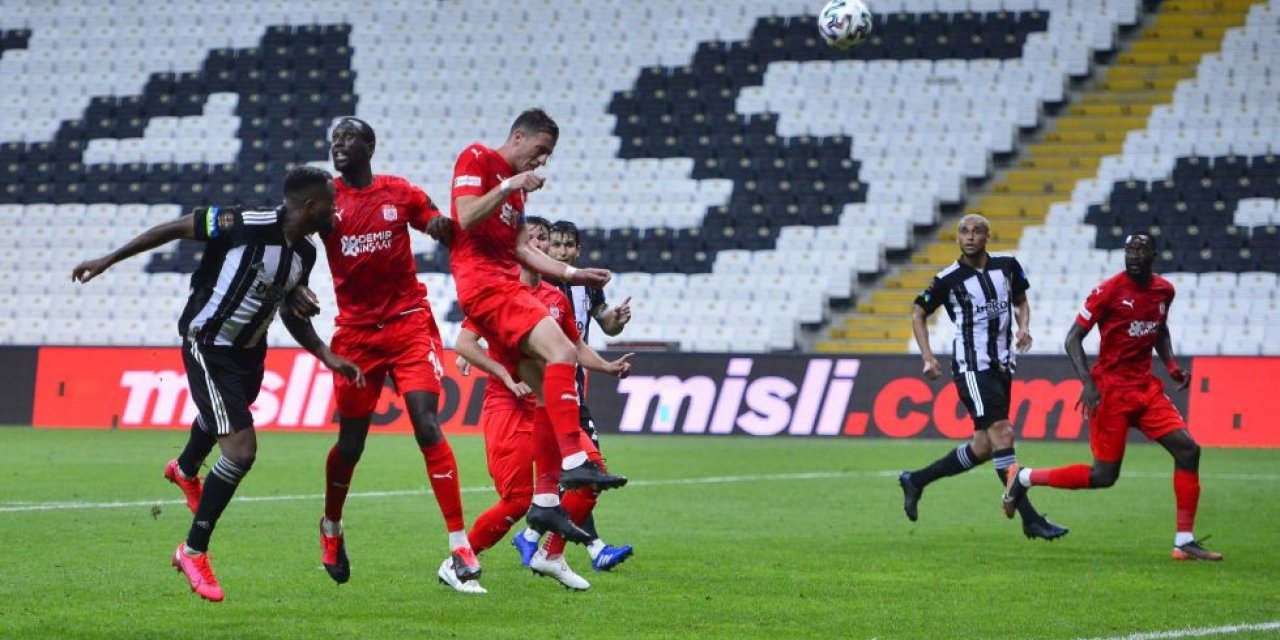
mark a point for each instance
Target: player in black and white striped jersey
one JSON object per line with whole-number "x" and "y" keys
{"x": 251, "y": 263}
{"x": 985, "y": 295}
{"x": 588, "y": 304}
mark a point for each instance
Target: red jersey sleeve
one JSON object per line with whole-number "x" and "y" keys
{"x": 468, "y": 173}
{"x": 421, "y": 207}
{"x": 1094, "y": 309}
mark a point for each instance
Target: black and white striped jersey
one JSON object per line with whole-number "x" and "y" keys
{"x": 245, "y": 272}
{"x": 980, "y": 305}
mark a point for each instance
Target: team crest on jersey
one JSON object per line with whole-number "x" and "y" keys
{"x": 389, "y": 213}
{"x": 509, "y": 215}
{"x": 555, "y": 312}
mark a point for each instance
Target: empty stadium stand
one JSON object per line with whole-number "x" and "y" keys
{"x": 738, "y": 175}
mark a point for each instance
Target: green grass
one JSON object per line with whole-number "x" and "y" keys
{"x": 745, "y": 557}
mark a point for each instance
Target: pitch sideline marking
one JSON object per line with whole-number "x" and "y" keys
{"x": 1196, "y": 633}
{"x": 30, "y": 507}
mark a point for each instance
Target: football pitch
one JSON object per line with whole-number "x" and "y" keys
{"x": 735, "y": 538}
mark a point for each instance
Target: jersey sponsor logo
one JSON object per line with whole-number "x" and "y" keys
{"x": 366, "y": 243}
{"x": 389, "y": 213}
{"x": 1139, "y": 328}
{"x": 993, "y": 308}
{"x": 466, "y": 181}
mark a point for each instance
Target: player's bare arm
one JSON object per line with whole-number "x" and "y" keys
{"x": 469, "y": 350}
{"x": 920, "y": 329}
{"x": 1022, "y": 317}
{"x": 613, "y": 320}
{"x": 303, "y": 302}
{"x": 1164, "y": 349}
{"x": 472, "y": 210}
{"x": 1074, "y": 344}
{"x": 178, "y": 229}
{"x": 591, "y": 359}
{"x": 548, "y": 267}
{"x": 305, "y": 334}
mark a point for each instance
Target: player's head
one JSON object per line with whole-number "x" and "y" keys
{"x": 351, "y": 144}
{"x": 1139, "y": 255}
{"x": 532, "y": 138}
{"x": 972, "y": 234}
{"x": 308, "y": 191}
{"x": 539, "y": 230}
{"x": 566, "y": 244}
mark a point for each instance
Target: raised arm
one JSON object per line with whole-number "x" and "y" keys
{"x": 468, "y": 348}
{"x": 472, "y": 210}
{"x": 590, "y": 359}
{"x": 540, "y": 262}
{"x": 178, "y": 229}
{"x": 613, "y": 320}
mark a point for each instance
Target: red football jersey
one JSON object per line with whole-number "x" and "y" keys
{"x": 370, "y": 256}
{"x": 1129, "y": 316}
{"x": 488, "y": 250}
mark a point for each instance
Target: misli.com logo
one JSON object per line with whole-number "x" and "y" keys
{"x": 762, "y": 406}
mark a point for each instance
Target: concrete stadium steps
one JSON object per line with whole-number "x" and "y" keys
{"x": 1120, "y": 101}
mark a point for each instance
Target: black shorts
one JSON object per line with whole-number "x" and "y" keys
{"x": 223, "y": 382}
{"x": 986, "y": 395}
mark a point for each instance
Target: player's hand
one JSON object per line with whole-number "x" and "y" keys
{"x": 527, "y": 182}
{"x": 344, "y": 368}
{"x": 441, "y": 229}
{"x": 1024, "y": 340}
{"x": 302, "y": 302}
{"x": 517, "y": 389}
{"x": 1180, "y": 376}
{"x": 621, "y": 367}
{"x": 89, "y": 269}
{"x": 464, "y": 367}
{"x": 931, "y": 368}
{"x": 592, "y": 277}
{"x": 623, "y": 311}
{"x": 1089, "y": 398}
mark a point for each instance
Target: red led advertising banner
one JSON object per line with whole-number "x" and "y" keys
{"x": 668, "y": 394}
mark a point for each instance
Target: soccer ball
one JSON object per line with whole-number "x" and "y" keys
{"x": 845, "y": 24}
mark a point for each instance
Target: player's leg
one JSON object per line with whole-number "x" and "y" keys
{"x": 184, "y": 471}
{"x": 224, "y": 382}
{"x": 442, "y": 473}
{"x": 560, "y": 396}
{"x": 956, "y": 461}
{"x": 508, "y": 441}
{"x": 1162, "y": 422}
{"x": 355, "y": 407}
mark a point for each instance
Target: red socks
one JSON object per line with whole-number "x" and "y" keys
{"x": 337, "y": 481}
{"x": 1075, "y": 476}
{"x": 560, "y": 394}
{"x": 1186, "y": 494}
{"x": 442, "y": 471}
{"x": 578, "y": 504}
{"x": 494, "y": 523}
{"x": 546, "y": 454}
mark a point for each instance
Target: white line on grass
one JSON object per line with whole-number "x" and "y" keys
{"x": 26, "y": 507}
{"x": 1198, "y": 633}
{"x": 29, "y": 507}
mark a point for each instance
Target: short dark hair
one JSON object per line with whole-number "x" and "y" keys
{"x": 302, "y": 179}
{"x": 566, "y": 228}
{"x": 534, "y": 121}
{"x": 363, "y": 127}
{"x": 538, "y": 221}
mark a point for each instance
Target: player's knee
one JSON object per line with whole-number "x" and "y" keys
{"x": 428, "y": 434}
{"x": 1188, "y": 458}
{"x": 1103, "y": 478}
{"x": 350, "y": 450}
{"x": 1001, "y": 434}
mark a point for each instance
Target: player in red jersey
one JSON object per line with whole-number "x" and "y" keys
{"x": 517, "y": 431}
{"x": 1131, "y": 310}
{"x": 489, "y": 191}
{"x": 385, "y": 325}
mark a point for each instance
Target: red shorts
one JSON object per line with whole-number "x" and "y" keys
{"x": 508, "y": 445}
{"x": 505, "y": 312}
{"x": 1145, "y": 408}
{"x": 407, "y": 347}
